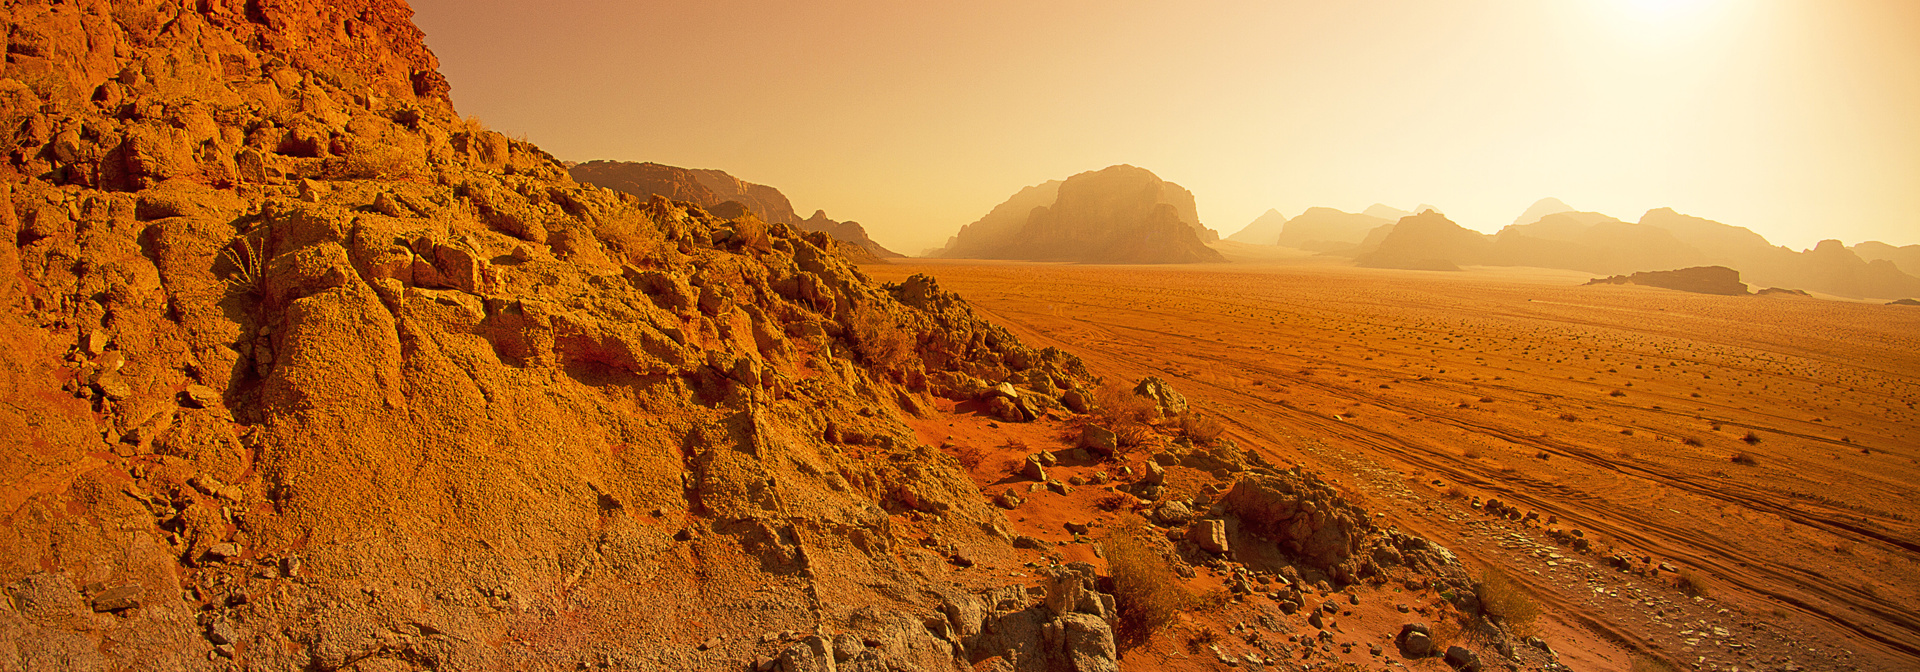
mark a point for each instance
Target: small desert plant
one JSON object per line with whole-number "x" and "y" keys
{"x": 1569, "y": 417}
{"x": 1617, "y": 393}
{"x": 1119, "y": 405}
{"x": 1200, "y": 428}
{"x": 1146, "y": 592}
{"x": 1016, "y": 444}
{"x": 1132, "y": 435}
{"x": 1456, "y": 492}
{"x": 1691, "y": 441}
{"x": 969, "y": 456}
{"x": 752, "y": 233}
{"x": 1743, "y": 458}
{"x": 879, "y": 339}
{"x": 1199, "y": 640}
{"x": 1503, "y": 598}
{"x": 1751, "y": 438}
{"x": 1471, "y": 454}
{"x": 1486, "y": 400}
{"x": 1691, "y": 584}
{"x": 248, "y": 258}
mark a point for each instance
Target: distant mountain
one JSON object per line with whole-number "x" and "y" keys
{"x": 1906, "y": 258}
{"x": 1327, "y": 229}
{"x": 1425, "y": 207}
{"x": 1386, "y": 212}
{"x": 1429, "y": 242}
{"x": 1542, "y": 208}
{"x": 1118, "y": 215}
{"x": 1700, "y": 279}
{"x": 1661, "y": 241}
{"x": 712, "y": 190}
{"x": 1591, "y": 242}
{"x": 1263, "y": 230}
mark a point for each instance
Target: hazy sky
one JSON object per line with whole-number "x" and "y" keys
{"x": 1799, "y": 119}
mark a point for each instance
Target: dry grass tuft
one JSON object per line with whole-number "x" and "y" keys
{"x": 1504, "y": 599}
{"x": 1742, "y": 458}
{"x": 1118, "y": 405}
{"x": 1200, "y": 428}
{"x": 969, "y": 456}
{"x": 878, "y": 339}
{"x": 1146, "y": 592}
{"x": 1751, "y": 438}
{"x": 1691, "y": 441}
{"x": 1569, "y": 417}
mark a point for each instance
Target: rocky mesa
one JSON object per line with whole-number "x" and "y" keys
{"x": 1117, "y": 215}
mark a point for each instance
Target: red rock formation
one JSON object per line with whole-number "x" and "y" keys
{"x": 1700, "y": 279}
{"x": 1118, "y": 215}
{"x": 713, "y": 189}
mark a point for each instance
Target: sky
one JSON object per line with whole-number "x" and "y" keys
{"x": 1799, "y": 119}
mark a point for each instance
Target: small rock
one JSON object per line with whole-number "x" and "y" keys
{"x": 126, "y": 596}
{"x": 1026, "y": 542}
{"x": 1058, "y": 487}
{"x": 1172, "y": 513}
{"x": 1154, "y": 474}
{"x": 1461, "y": 658}
{"x": 200, "y": 396}
{"x": 1008, "y": 500}
{"x": 222, "y": 633}
{"x": 223, "y": 551}
{"x": 1210, "y": 535}
{"x": 710, "y": 644}
{"x": 1314, "y": 619}
{"x": 1077, "y": 528}
{"x": 1034, "y": 469}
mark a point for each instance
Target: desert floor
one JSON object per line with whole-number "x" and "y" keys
{"x": 1765, "y": 445}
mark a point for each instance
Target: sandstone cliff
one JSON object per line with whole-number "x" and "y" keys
{"x": 1429, "y": 242}
{"x": 1117, "y": 215}
{"x": 713, "y": 190}
{"x": 305, "y": 372}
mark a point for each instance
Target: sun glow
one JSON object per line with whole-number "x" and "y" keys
{"x": 1664, "y": 10}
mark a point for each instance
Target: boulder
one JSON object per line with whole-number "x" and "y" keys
{"x": 1165, "y": 400}
{"x": 1172, "y": 513}
{"x": 1210, "y": 534}
{"x": 1462, "y": 658}
{"x": 1099, "y": 440}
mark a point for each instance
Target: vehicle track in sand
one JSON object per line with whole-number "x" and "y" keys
{"x": 1211, "y": 352}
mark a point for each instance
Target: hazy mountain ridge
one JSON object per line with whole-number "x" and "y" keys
{"x": 1120, "y": 214}
{"x": 1263, "y": 230}
{"x": 1662, "y": 240}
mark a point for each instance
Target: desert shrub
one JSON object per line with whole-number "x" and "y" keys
{"x": 1569, "y": 417}
{"x": 1643, "y": 663}
{"x": 1146, "y": 592}
{"x": 1617, "y": 393}
{"x": 1016, "y": 444}
{"x": 1200, "y": 428}
{"x": 1134, "y": 436}
{"x": 1117, "y": 405}
{"x": 1201, "y": 638}
{"x": 1486, "y": 400}
{"x": 1751, "y": 438}
{"x": 969, "y": 456}
{"x": 1691, "y": 584}
{"x": 878, "y": 339}
{"x": 1503, "y": 598}
{"x": 752, "y": 233}
{"x": 1742, "y": 458}
{"x": 1456, "y": 492}
{"x": 1691, "y": 441}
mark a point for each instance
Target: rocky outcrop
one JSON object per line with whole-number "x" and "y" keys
{"x": 1118, "y": 215}
{"x": 727, "y": 196}
{"x": 304, "y": 371}
{"x": 1701, "y": 280}
{"x": 1429, "y": 242}
{"x": 1906, "y": 257}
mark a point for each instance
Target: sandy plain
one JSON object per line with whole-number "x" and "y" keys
{"x": 1615, "y": 411}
